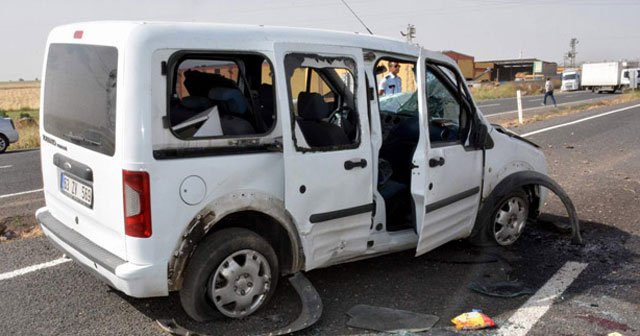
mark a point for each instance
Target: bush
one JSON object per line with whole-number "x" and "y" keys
{"x": 3, "y": 114}
{"x": 25, "y": 115}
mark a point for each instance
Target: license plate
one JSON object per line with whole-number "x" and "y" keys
{"x": 76, "y": 190}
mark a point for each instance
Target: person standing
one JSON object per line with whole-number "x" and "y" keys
{"x": 548, "y": 92}
{"x": 391, "y": 83}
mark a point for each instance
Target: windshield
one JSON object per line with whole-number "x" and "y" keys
{"x": 569, "y": 77}
{"x": 80, "y": 95}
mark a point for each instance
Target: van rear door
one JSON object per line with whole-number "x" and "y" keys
{"x": 82, "y": 178}
{"x": 452, "y": 166}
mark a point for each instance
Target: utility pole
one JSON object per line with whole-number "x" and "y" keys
{"x": 410, "y": 34}
{"x": 571, "y": 54}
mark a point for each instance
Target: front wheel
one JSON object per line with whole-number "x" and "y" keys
{"x": 505, "y": 223}
{"x": 233, "y": 272}
{"x": 510, "y": 218}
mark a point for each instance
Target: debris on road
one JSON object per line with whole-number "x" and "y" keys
{"x": 473, "y": 321}
{"x": 389, "y": 320}
{"x": 501, "y": 289}
{"x": 309, "y": 315}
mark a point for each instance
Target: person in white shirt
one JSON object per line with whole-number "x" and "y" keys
{"x": 548, "y": 92}
{"x": 391, "y": 83}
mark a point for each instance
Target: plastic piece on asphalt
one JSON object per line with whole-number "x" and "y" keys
{"x": 615, "y": 333}
{"x": 310, "y": 313}
{"x": 311, "y": 305}
{"x": 389, "y": 320}
{"x": 473, "y": 321}
{"x": 501, "y": 289}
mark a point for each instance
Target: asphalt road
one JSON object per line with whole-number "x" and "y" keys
{"x": 20, "y": 171}
{"x": 496, "y": 106}
{"x": 596, "y": 161}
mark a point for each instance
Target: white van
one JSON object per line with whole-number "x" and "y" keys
{"x": 212, "y": 159}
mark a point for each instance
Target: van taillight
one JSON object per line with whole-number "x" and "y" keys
{"x": 137, "y": 203}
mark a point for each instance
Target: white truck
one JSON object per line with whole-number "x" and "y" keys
{"x": 570, "y": 80}
{"x": 599, "y": 77}
{"x": 628, "y": 76}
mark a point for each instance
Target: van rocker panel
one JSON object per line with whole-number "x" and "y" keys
{"x": 139, "y": 281}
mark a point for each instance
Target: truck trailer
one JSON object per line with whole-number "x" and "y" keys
{"x": 599, "y": 77}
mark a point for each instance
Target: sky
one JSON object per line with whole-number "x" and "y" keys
{"x": 485, "y": 29}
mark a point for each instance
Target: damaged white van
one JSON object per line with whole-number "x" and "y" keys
{"x": 214, "y": 159}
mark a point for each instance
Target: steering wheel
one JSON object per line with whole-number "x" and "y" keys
{"x": 336, "y": 117}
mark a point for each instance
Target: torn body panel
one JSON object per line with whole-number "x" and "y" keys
{"x": 510, "y": 155}
{"x": 528, "y": 179}
{"x": 213, "y": 215}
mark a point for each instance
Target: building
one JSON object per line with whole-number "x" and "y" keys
{"x": 466, "y": 63}
{"x": 506, "y": 70}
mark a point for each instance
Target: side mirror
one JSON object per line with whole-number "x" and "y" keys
{"x": 480, "y": 136}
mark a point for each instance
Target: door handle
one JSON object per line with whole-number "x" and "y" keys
{"x": 348, "y": 165}
{"x": 436, "y": 162}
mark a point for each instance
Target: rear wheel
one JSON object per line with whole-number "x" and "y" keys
{"x": 4, "y": 143}
{"x": 233, "y": 273}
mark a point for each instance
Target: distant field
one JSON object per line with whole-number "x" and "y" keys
{"x": 19, "y": 95}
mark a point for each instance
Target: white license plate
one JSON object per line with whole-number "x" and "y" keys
{"x": 76, "y": 190}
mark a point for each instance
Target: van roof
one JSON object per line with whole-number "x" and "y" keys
{"x": 248, "y": 34}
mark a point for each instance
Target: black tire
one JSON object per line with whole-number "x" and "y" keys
{"x": 485, "y": 231}
{"x": 4, "y": 143}
{"x": 195, "y": 295}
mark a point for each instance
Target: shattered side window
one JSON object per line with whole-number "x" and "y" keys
{"x": 322, "y": 99}
{"x": 216, "y": 96}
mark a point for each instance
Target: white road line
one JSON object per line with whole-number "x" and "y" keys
{"x": 579, "y": 120}
{"x": 3, "y": 167}
{"x": 531, "y": 311}
{"x": 20, "y": 193}
{"x": 496, "y": 104}
{"x": 32, "y": 268}
{"x": 538, "y": 107}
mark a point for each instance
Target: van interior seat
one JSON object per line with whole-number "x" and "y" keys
{"x": 265, "y": 96}
{"x": 312, "y": 110}
{"x": 233, "y": 108}
{"x": 188, "y": 107}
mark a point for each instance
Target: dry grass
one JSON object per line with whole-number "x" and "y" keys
{"x": 19, "y": 95}
{"x": 508, "y": 90}
{"x": 19, "y": 227}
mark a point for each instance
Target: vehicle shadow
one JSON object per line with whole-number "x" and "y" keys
{"x": 435, "y": 283}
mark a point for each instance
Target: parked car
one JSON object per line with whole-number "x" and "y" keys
{"x": 8, "y": 133}
{"x": 212, "y": 159}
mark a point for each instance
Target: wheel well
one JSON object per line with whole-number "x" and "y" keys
{"x": 533, "y": 191}
{"x": 268, "y": 228}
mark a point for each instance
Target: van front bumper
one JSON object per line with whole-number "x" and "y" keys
{"x": 135, "y": 280}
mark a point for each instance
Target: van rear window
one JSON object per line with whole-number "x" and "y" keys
{"x": 80, "y": 95}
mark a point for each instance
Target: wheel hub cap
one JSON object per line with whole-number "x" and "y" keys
{"x": 240, "y": 284}
{"x": 510, "y": 221}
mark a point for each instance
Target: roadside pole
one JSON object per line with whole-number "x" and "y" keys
{"x": 519, "y": 99}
